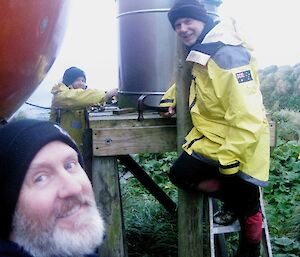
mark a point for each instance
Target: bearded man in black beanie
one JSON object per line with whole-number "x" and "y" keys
{"x": 47, "y": 202}
{"x": 226, "y": 153}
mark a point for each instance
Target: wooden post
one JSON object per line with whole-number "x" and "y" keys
{"x": 190, "y": 205}
{"x": 107, "y": 192}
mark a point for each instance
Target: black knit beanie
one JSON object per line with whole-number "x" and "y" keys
{"x": 187, "y": 9}
{"x": 19, "y": 143}
{"x": 71, "y": 74}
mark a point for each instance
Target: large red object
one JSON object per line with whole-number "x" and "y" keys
{"x": 30, "y": 36}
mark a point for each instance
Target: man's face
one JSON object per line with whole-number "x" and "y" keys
{"x": 79, "y": 83}
{"x": 189, "y": 30}
{"x": 56, "y": 210}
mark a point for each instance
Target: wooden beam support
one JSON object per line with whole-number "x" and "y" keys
{"x": 107, "y": 192}
{"x": 190, "y": 205}
{"x": 148, "y": 183}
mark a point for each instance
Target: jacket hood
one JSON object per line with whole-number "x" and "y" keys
{"x": 227, "y": 32}
{"x": 223, "y": 33}
{"x": 58, "y": 88}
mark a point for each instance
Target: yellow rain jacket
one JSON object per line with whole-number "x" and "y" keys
{"x": 230, "y": 125}
{"x": 69, "y": 108}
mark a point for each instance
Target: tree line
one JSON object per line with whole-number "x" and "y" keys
{"x": 280, "y": 87}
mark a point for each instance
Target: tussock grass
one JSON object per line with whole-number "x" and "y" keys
{"x": 150, "y": 230}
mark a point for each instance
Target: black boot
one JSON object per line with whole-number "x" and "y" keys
{"x": 248, "y": 250}
{"x": 225, "y": 216}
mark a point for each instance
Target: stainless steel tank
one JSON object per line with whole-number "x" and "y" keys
{"x": 147, "y": 49}
{"x": 212, "y": 7}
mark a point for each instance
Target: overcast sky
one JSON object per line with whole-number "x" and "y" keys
{"x": 271, "y": 27}
{"x": 91, "y": 39}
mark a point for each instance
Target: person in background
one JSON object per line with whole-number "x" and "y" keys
{"x": 70, "y": 101}
{"x": 226, "y": 153}
{"x": 47, "y": 203}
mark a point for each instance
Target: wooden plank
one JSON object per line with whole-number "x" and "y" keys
{"x": 97, "y": 120}
{"x": 107, "y": 192}
{"x": 127, "y": 140}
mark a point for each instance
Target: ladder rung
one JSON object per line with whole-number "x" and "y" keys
{"x": 234, "y": 227}
{"x": 220, "y": 229}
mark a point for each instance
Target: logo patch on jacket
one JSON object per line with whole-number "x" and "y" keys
{"x": 244, "y": 76}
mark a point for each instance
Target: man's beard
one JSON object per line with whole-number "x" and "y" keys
{"x": 46, "y": 239}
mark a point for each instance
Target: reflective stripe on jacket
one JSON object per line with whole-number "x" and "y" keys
{"x": 230, "y": 125}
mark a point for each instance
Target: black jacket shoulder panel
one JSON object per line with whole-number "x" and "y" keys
{"x": 208, "y": 48}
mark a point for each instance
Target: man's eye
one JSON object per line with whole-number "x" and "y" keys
{"x": 70, "y": 165}
{"x": 40, "y": 178}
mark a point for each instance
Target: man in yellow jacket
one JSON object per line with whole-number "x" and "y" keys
{"x": 70, "y": 101}
{"x": 226, "y": 153}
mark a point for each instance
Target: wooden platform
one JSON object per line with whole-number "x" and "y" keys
{"x": 124, "y": 134}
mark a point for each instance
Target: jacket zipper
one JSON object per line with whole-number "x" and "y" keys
{"x": 195, "y": 89}
{"x": 193, "y": 103}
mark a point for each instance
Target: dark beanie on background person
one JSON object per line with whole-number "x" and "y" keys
{"x": 20, "y": 141}
{"x": 188, "y": 9}
{"x": 71, "y": 74}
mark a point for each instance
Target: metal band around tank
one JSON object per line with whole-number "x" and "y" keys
{"x": 144, "y": 11}
{"x": 143, "y": 93}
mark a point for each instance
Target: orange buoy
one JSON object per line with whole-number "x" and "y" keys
{"x": 30, "y": 36}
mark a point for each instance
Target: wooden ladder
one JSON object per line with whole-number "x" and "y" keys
{"x": 216, "y": 233}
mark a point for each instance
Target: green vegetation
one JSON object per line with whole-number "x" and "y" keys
{"x": 282, "y": 198}
{"x": 151, "y": 231}
{"x": 281, "y": 87}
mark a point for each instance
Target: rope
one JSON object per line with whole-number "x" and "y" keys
{"x": 39, "y": 106}
{"x": 91, "y": 109}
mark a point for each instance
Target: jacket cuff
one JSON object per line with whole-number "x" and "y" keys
{"x": 167, "y": 103}
{"x": 229, "y": 169}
